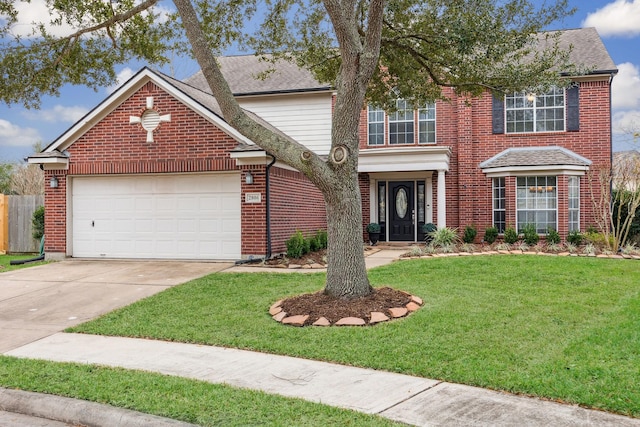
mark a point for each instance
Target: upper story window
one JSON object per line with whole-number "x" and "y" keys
{"x": 399, "y": 127}
{"x": 526, "y": 112}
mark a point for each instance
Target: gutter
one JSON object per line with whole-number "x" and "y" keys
{"x": 268, "y": 205}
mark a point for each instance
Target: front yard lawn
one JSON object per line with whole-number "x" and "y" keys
{"x": 555, "y": 327}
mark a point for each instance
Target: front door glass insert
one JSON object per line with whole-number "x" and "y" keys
{"x": 401, "y": 203}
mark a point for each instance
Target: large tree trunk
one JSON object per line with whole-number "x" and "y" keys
{"x": 346, "y": 272}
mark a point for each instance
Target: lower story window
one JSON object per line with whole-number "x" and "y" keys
{"x": 499, "y": 205}
{"x": 537, "y": 202}
{"x": 574, "y": 203}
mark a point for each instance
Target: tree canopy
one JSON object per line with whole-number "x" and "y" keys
{"x": 369, "y": 50}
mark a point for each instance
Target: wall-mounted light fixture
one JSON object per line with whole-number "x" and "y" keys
{"x": 248, "y": 177}
{"x": 53, "y": 182}
{"x": 531, "y": 97}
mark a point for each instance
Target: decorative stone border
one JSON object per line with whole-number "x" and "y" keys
{"x": 503, "y": 252}
{"x": 279, "y": 315}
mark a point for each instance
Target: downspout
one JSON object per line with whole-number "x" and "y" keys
{"x": 610, "y": 152}
{"x": 268, "y": 205}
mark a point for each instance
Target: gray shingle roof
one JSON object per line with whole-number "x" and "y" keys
{"x": 535, "y": 156}
{"x": 242, "y": 74}
{"x": 587, "y": 49}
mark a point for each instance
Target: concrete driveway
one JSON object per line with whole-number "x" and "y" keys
{"x": 39, "y": 301}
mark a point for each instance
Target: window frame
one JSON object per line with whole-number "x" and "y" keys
{"x": 423, "y": 130}
{"x": 534, "y": 110}
{"x": 537, "y": 185}
{"x": 573, "y": 198}
{"x": 499, "y": 198}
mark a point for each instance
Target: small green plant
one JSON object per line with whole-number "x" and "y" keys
{"x": 590, "y": 249}
{"x": 444, "y": 236}
{"x": 373, "y": 227}
{"x": 296, "y": 245}
{"x": 630, "y": 249}
{"x": 415, "y": 251}
{"x": 530, "y": 234}
{"x": 470, "y": 233}
{"x": 553, "y": 237}
{"x": 522, "y": 246}
{"x": 510, "y": 235}
{"x": 38, "y": 223}
{"x": 575, "y": 237}
{"x": 468, "y": 247}
{"x": 427, "y": 230}
{"x": 554, "y": 247}
{"x": 571, "y": 248}
{"x": 490, "y": 235}
{"x": 503, "y": 247}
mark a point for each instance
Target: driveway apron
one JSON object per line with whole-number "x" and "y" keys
{"x": 39, "y": 301}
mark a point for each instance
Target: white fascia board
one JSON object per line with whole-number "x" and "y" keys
{"x": 125, "y": 92}
{"x": 404, "y": 159}
{"x": 536, "y": 170}
{"x": 50, "y": 163}
{"x": 250, "y": 158}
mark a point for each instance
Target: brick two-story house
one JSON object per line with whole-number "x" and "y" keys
{"x": 155, "y": 172}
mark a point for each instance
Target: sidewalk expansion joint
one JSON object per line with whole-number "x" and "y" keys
{"x": 418, "y": 393}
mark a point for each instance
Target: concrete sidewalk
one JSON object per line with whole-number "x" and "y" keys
{"x": 417, "y": 401}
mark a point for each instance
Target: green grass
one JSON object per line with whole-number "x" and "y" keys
{"x": 5, "y": 262}
{"x": 556, "y": 327}
{"x": 179, "y": 398}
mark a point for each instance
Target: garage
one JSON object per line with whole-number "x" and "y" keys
{"x": 169, "y": 216}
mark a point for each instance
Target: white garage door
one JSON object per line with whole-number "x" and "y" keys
{"x": 158, "y": 216}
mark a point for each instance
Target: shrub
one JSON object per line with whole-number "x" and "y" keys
{"x": 553, "y": 237}
{"x": 470, "y": 234}
{"x": 530, "y": 234}
{"x": 575, "y": 237}
{"x": 510, "y": 235}
{"x": 323, "y": 239}
{"x": 373, "y": 227}
{"x": 490, "y": 235}
{"x": 38, "y": 223}
{"x": 314, "y": 244}
{"x": 296, "y": 245}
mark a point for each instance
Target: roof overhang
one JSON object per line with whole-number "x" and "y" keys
{"x": 404, "y": 159}
{"x": 546, "y": 160}
{"x": 50, "y": 161}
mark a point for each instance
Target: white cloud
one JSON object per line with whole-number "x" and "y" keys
{"x": 35, "y": 12}
{"x": 58, "y": 113}
{"x": 626, "y": 122}
{"x": 620, "y": 18}
{"x": 16, "y": 136}
{"x": 124, "y": 75}
{"x": 626, "y": 87}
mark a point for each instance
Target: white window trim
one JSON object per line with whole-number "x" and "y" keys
{"x": 535, "y": 109}
{"x": 517, "y": 225}
{"x": 416, "y": 128}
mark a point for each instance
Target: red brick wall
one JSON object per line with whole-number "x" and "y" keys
{"x": 296, "y": 204}
{"x": 465, "y": 126}
{"x": 188, "y": 143}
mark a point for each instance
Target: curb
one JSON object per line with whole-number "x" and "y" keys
{"x": 78, "y": 412}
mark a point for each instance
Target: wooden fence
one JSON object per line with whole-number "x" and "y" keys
{"x": 16, "y": 231}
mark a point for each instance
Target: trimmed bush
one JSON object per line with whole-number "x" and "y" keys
{"x": 530, "y": 234}
{"x": 490, "y": 235}
{"x": 553, "y": 237}
{"x": 323, "y": 239}
{"x": 296, "y": 245}
{"x": 575, "y": 237}
{"x": 510, "y": 235}
{"x": 470, "y": 234}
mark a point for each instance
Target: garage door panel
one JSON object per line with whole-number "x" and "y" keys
{"x": 168, "y": 216}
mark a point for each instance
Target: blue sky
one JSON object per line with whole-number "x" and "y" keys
{"x": 618, "y": 23}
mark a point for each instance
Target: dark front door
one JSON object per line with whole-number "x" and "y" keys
{"x": 401, "y": 211}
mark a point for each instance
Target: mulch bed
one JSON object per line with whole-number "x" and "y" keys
{"x": 319, "y": 305}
